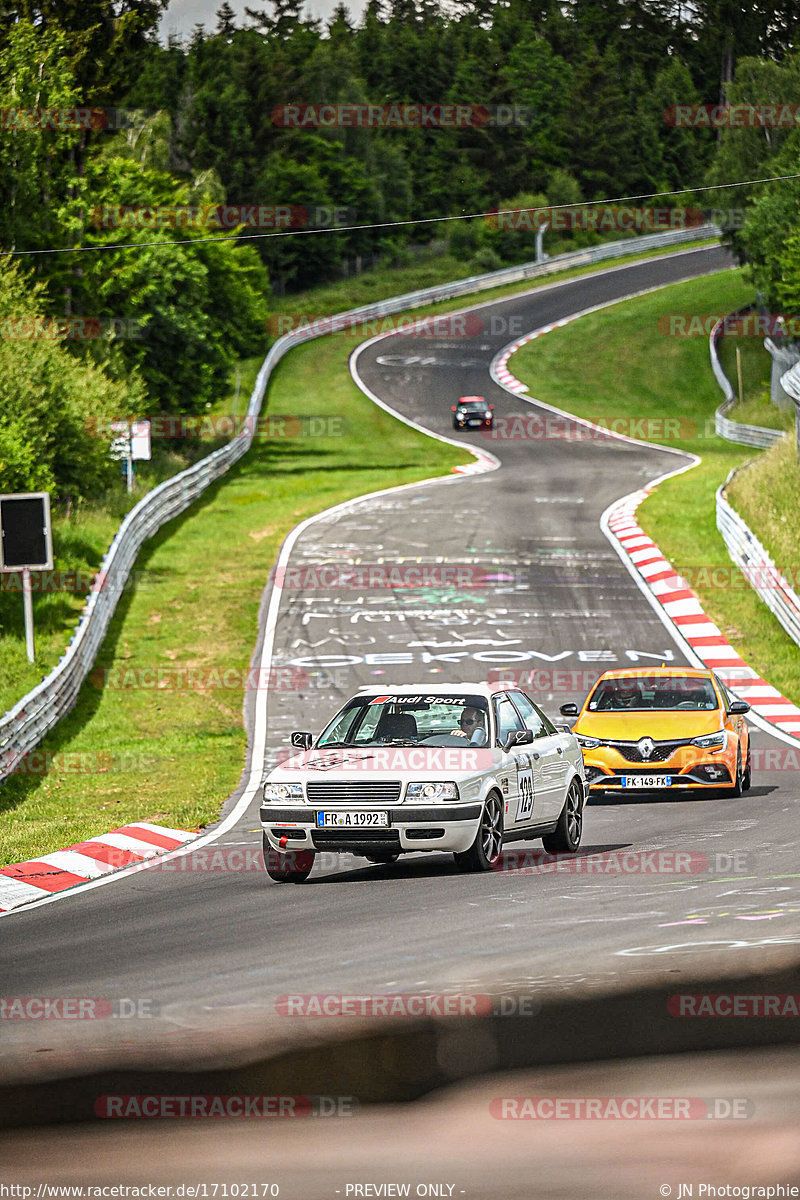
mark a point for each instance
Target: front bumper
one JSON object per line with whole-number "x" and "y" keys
{"x": 700, "y": 777}
{"x": 447, "y": 827}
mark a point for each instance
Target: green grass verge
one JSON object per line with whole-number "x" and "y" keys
{"x": 756, "y": 408}
{"x": 766, "y": 494}
{"x": 82, "y": 537}
{"x": 172, "y": 755}
{"x": 630, "y": 370}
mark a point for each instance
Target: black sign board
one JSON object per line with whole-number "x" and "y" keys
{"x": 25, "y": 535}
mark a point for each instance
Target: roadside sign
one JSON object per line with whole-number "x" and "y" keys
{"x": 26, "y": 544}
{"x": 26, "y": 539}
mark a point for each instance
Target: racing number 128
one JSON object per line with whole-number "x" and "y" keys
{"x": 525, "y": 788}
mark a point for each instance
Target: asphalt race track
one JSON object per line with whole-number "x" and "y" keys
{"x": 211, "y": 950}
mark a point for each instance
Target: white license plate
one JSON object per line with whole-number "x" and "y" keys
{"x": 352, "y": 820}
{"x": 646, "y": 781}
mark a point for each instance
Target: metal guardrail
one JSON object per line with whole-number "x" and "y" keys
{"x": 31, "y": 719}
{"x": 757, "y": 567}
{"x": 790, "y": 382}
{"x": 784, "y": 354}
{"x": 735, "y": 431}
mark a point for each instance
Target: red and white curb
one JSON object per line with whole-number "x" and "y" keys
{"x": 670, "y": 595}
{"x": 100, "y": 855}
{"x": 684, "y": 610}
{"x": 500, "y": 364}
{"x": 483, "y": 462}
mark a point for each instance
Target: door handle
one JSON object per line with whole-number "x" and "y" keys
{"x": 536, "y": 755}
{"x": 560, "y": 749}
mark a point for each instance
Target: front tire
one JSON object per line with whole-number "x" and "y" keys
{"x": 292, "y": 867}
{"x": 484, "y": 853}
{"x": 733, "y": 793}
{"x": 566, "y": 837}
{"x": 747, "y": 778}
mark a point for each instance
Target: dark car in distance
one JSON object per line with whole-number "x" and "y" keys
{"x": 472, "y": 412}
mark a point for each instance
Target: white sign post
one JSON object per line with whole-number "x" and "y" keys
{"x": 132, "y": 443}
{"x": 26, "y": 544}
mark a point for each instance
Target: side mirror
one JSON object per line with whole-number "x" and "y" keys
{"x": 518, "y": 737}
{"x": 453, "y": 407}
{"x": 738, "y": 708}
{"x": 302, "y": 741}
{"x": 564, "y": 728}
{"x": 569, "y": 710}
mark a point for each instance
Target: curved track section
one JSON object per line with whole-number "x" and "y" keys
{"x": 211, "y": 949}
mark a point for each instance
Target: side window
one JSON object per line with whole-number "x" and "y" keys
{"x": 508, "y": 718}
{"x": 723, "y": 691}
{"x": 527, "y": 710}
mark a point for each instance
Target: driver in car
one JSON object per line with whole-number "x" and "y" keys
{"x": 627, "y": 694}
{"x": 472, "y": 725}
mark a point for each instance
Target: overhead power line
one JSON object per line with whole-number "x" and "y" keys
{"x": 495, "y": 212}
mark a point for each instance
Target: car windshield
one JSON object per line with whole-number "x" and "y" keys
{"x": 473, "y": 408}
{"x": 432, "y": 719}
{"x": 683, "y": 692}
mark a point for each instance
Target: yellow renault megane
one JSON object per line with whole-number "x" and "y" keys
{"x": 670, "y": 727}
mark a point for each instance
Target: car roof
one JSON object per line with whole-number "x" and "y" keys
{"x": 471, "y": 399}
{"x": 430, "y": 689}
{"x": 662, "y": 672}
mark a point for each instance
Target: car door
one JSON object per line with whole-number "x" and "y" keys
{"x": 735, "y": 723}
{"x": 518, "y": 793}
{"x": 549, "y": 752}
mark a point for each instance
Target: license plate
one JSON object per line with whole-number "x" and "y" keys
{"x": 647, "y": 781}
{"x": 352, "y": 820}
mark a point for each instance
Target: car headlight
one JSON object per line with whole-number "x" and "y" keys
{"x": 588, "y": 743}
{"x": 712, "y": 741}
{"x": 432, "y": 791}
{"x": 283, "y": 791}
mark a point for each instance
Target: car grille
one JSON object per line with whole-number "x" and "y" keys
{"x": 661, "y": 752}
{"x": 356, "y": 839}
{"x": 353, "y": 791}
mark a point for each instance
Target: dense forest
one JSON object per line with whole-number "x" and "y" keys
{"x": 157, "y": 170}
